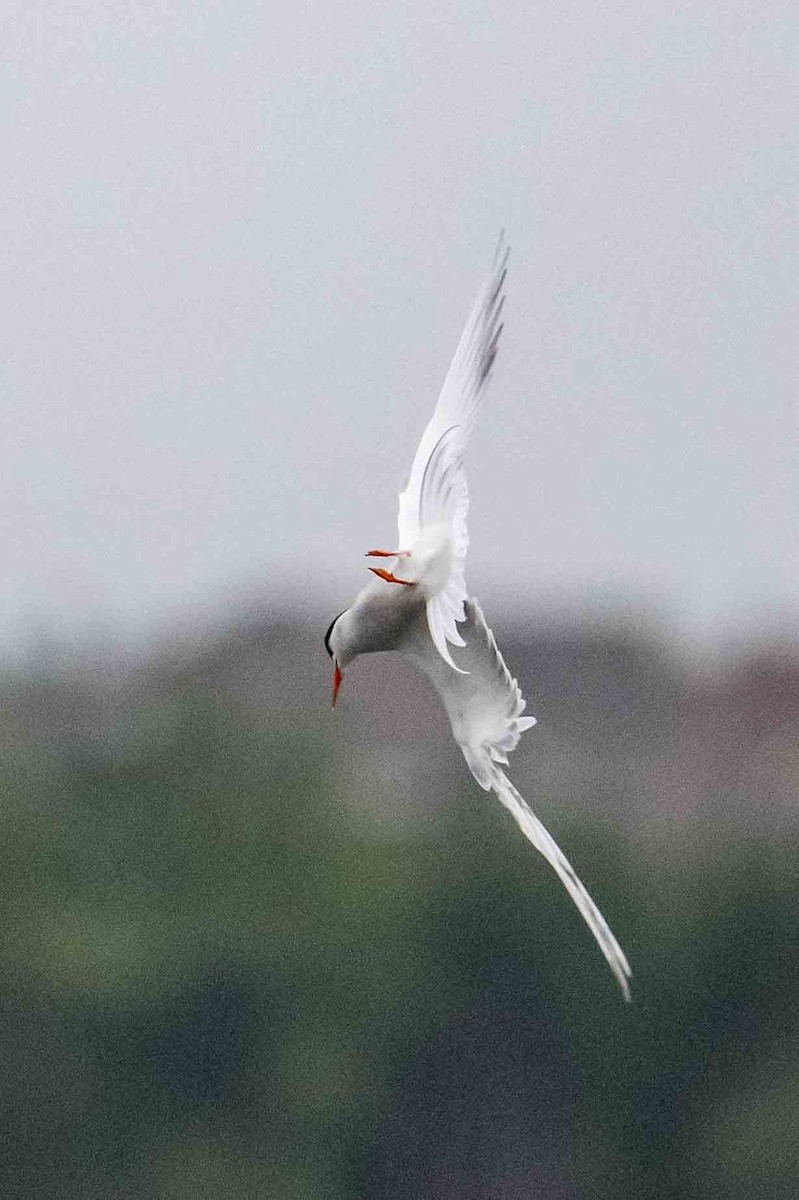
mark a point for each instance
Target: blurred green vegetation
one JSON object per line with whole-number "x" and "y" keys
{"x": 218, "y": 981}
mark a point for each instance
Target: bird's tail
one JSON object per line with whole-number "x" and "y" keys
{"x": 535, "y": 832}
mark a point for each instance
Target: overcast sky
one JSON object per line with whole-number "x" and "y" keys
{"x": 240, "y": 241}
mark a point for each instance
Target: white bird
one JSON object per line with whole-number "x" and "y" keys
{"x": 420, "y": 606}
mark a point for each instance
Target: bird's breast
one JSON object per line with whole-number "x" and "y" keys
{"x": 382, "y": 616}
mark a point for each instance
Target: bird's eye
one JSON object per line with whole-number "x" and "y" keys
{"x": 327, "y": 635}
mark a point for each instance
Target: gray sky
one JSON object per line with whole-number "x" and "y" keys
{"x": 239, "y": 243}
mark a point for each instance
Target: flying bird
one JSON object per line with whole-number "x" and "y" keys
{"x": 418, "y": 605}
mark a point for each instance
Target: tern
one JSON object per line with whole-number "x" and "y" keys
{"x": 418, "y": 604}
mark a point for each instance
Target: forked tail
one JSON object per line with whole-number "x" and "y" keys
{"x": 535, "y": 832}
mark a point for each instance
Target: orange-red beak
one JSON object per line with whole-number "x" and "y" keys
{"x": 338, "y": 675}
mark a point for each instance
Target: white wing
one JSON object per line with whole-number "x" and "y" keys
{"x": 485, "y": 710}
{"x": 484, "y": 703}
{"x": 436, "y": 493}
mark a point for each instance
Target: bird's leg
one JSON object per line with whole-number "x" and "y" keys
{"x": 387, "y": 575}
{"x": 389, "y": 578}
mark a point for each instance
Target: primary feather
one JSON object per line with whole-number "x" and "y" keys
{"x": 485, "y": 708}
{"x": 543, "y": 841}
{"x": 436, "y": 492}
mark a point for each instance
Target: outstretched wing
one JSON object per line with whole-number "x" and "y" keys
{"x": 436, "y": 492}
{"x": 485, "y": 708}
{"x": 543, "y": 841}
{"x": 483, "y": 701}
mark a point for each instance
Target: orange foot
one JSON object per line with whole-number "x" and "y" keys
{"x": 389, "y": 578}
{"x": 388, "y": 553}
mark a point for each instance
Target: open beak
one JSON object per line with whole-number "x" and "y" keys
{"x": 338, "y": 675}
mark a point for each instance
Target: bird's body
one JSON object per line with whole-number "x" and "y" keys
{"x": 420, "y": 608}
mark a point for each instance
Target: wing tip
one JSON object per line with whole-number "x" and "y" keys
{"x": 501, "y": 252}
{"x": 543, "y": 841}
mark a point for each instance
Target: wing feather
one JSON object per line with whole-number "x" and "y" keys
{"x": 484, "y": 703}
{"x": 436, "y": 492}
{"x": 485, "y": 706}
{"x": 539, "y": 836}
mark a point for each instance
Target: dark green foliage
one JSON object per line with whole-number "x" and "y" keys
{"x": 219, "y": 980}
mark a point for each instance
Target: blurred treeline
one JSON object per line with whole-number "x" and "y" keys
{"x": 251, "y": 948}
